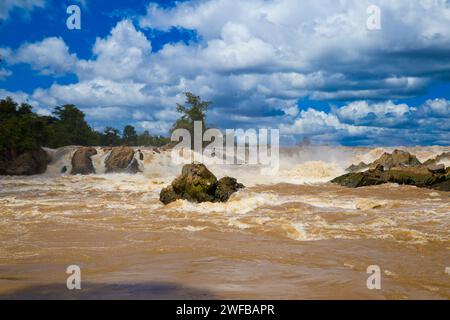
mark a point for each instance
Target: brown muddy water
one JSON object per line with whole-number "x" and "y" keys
{"x": 293, "y": 236}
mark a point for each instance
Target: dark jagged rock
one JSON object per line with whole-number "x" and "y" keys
{"x": 167, "y": 195}
{"x": 133, "y": 167}
{"x": 226, "y": 187}
{"x": 64, "y": 169}
{"x": 416, "y": 176}
{"x": 359, "y": 179}
{"x": 442, "y": 186}
{"x": 197, "y": 184}
{"x": 25, "y": 163}
{"x": 82, "y": 162}
{"x": 121, "y": 160}
{"x": 357, "y": 168}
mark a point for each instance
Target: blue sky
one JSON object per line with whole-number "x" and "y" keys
{"x": 312, "y": 69}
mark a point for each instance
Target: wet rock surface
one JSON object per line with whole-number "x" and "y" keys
{"x": 82, "y": 162}
{"x": 23, "y": 163}
{"x": 226, "y": 187}
{"x": 415, "y": 176}
{"x": 197, "y": 184}
{"x": 121, "y": 160}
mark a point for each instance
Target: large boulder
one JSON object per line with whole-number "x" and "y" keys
{"x": 197, "y": 184}
{"x": 121, "y": 160}
{"x": 23, "y": 163}
{"x": 82, "y": 162}
{"x": 416, "y": 176}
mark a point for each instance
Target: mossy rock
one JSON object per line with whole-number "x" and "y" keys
{"x": 167, "y": 195}
{"x": 226, "y": 187}
{"x": 197, "y": 184}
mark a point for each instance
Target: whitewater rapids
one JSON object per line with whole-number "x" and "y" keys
{"x": 291, "y": 235}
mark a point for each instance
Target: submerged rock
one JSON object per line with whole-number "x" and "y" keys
{"x": 197, "y": 184}
{"x": 82, "y": 162}
{"x": 121, "y": 160}
{"x": 23, "y": 163}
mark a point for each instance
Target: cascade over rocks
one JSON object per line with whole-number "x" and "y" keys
{"x": 121, "y": 160}
{"x": 23, "y": 163}
{"x": 82, "y": 162}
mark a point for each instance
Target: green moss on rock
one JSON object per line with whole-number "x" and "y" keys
{"x": 197, "y": 184}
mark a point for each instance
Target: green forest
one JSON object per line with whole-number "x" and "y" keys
{"x": 22, "y": 129}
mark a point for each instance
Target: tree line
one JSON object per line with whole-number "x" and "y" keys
{"x": 22, "y": 129}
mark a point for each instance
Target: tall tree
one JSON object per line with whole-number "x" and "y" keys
{"x": 71, "y": 128}
{"x": 129, "y": 136}
{"x": 20, "y": 128}
{"x": 194, "y": 110}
